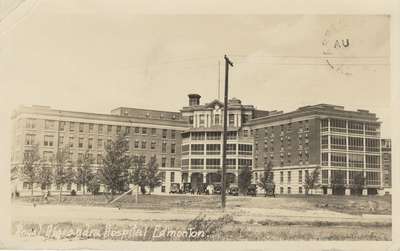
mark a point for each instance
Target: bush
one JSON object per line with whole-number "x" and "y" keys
{"x": 73, "y": 192}
{"x": 208, "y": 226}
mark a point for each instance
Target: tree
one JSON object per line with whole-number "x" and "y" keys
{"x": 44, "y": 174}
{"x": 84, "y": 172}
{"x": 93, "y": 184}
{"x": 30, "y": 162}
{"x": 244, "y": 179}
{"x": 311, "y": 180}
{"x": 267, "y": 180}
{"x": 139, "y": 174}
{"x": 116, "y": 163}
{"x": 146, "y": 175}
{"x": 153, "y": 174}
{"x": 63, "y": 173}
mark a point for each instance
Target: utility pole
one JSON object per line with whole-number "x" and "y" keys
{"x": 223, "y": 190}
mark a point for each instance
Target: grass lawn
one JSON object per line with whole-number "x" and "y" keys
{"x": 342, "y": 204}
{"x": 218, "y": 231}
{"x": 246, "y": 218}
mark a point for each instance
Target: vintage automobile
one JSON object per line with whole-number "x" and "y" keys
{"x": 252, "y": 190}
{"x": 202, "y": 189}
{"x": 187, "y": 187}
{"x": 175, "y": 188}
{"x": 217, "y": 188}
{"x": 233, "y": 190}
{"x": 270, "y": 190}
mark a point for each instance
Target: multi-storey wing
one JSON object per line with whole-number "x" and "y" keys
{"x": 341, "y": 144}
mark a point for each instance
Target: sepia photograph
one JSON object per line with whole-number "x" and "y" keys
{"x": 121, "y": 126}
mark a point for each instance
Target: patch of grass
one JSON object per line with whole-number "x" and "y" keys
{"x": 210, "y": 227}
{"x": 224, "y": 228}
{"x": 319, "y": 223}
{"x": 305, "y": 233}
{"x": 356, "y": 205}
{"x": 343, "y": 204}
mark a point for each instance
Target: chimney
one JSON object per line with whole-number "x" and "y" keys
{"x": 194, "y": 99}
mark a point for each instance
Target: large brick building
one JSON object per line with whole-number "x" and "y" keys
{"x": 342, "y": 143}
{"x": 151, "y": 133}
{"x": 188, "y": 144}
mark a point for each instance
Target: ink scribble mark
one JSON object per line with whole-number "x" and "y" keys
{"x": 330, "y": 65}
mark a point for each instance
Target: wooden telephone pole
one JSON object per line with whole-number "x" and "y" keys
{"x": 223, "y": 190}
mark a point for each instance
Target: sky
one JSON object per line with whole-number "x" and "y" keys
{"x": 57, "y": 53}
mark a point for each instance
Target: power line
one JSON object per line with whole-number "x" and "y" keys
{"x": 266, "y": 63}
{"x": 207, "y": 58}
{"x": 290, "y": 56}
{"x": 171, "y": 61}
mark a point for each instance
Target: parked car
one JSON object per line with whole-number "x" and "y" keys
{"x": 202, "y": 189}
{"x": 187, "y": 187}
{"x": 233, "y": 190}
{"x": 175, "y": 188}
{"x": 270, "y": 190}
{"x": 252, "y": 190}
{"x": 217, "y": 188}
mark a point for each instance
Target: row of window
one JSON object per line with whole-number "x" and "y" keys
{"x": 353, "y": 127}
{"x": 27, "y": 185}
{"x": 51, "y": 124}
{"x": 353, "y": 143}
{"x": 288, "y": 145}
{"x": 171, "y": 179}
{"x": 287, "y": 139}
{"x": 286, "y": 161}
{"x": 339, "y": 177}
{"x": 355, "y": 160}
{"x": 231, "y": 135}
{"x": 215, "y": 149}
{"x": 68, "y": 186}
{"x": 153, "y": 145}
{"x": 288, "y": 126}
{"x": 49, "y": 141}
{"x": 204, "y": 119}
{"x": 49, "y": 156}
{"x": 215, "y": 163}
{"x": 289, "y": 176}
{"x": 303, "y": 126}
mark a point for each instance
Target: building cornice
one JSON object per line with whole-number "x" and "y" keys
{"x": 315, "y": 112}
{"x": 85, "y": 117}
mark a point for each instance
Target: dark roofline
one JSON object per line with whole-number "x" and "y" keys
{"x": 320, "y": 110}
{"x": 99, "y": 116}
{"x": 141, "y": 109}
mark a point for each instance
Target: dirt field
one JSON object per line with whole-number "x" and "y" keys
{"x": 245, "y": 218}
